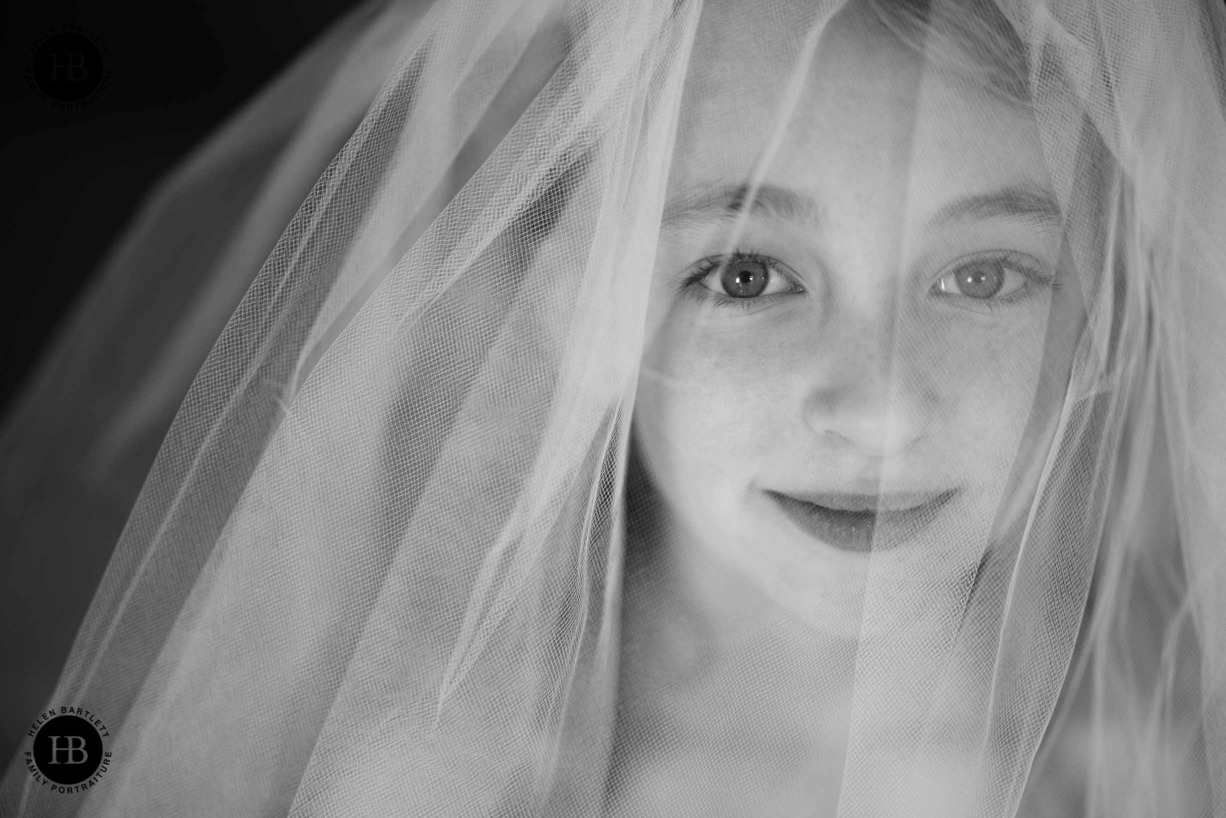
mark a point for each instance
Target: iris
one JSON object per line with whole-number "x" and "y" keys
{"x": 745, "y": 278}
{"x": 982, "y": 279}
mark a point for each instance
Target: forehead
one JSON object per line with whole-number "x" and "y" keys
{"x": 853, "y": 114}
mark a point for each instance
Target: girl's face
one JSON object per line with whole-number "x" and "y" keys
{"x": 890, "y": 331}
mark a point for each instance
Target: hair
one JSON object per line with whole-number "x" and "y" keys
{"x": 972, "y": 38}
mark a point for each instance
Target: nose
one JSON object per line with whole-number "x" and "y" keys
{"x": 867, "y": 392}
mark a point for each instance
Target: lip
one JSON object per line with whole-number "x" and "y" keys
{"x": 847, "y": 521}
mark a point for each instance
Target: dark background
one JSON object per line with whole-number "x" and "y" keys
{"x": 74, "y": 178}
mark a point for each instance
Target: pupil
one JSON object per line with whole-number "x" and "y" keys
{"x": 745, "y": 279}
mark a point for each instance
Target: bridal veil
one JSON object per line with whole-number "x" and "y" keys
{"x": 644, "y": 408}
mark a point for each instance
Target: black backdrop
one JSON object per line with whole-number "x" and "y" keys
{"x": 73, "y": 179}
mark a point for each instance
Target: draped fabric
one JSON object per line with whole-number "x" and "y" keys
{"x": 698, "y": 407}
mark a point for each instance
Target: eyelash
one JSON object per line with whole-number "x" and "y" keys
{"x": 693, "y": 287}
{"x": 1019, "y": 263}
{"x": 1036, "y": 278}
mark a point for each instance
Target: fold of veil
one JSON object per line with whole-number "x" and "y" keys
{"x": 84, "y": 431}
{"x": 384, "y": 558}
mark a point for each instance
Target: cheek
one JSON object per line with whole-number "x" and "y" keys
{"x": 990, "y": 383}
{"x": 708, "y": 407}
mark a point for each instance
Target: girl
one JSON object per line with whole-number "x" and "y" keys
{"x": 676, "y": 408}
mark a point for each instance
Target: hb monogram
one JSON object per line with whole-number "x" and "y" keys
{"x": 76, "y": 744}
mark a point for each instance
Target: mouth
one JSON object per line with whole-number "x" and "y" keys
{"x": 848, "y": 521}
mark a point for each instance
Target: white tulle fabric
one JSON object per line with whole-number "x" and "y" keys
{"x": 397, "y": 554}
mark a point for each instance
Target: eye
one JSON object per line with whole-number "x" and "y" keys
{"x": 993, "y": 278}
{"x": 744, "y": 276}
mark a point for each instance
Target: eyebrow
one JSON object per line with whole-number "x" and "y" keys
{"x": 717, "y": 204}
{"x": 1025, "y": 201}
